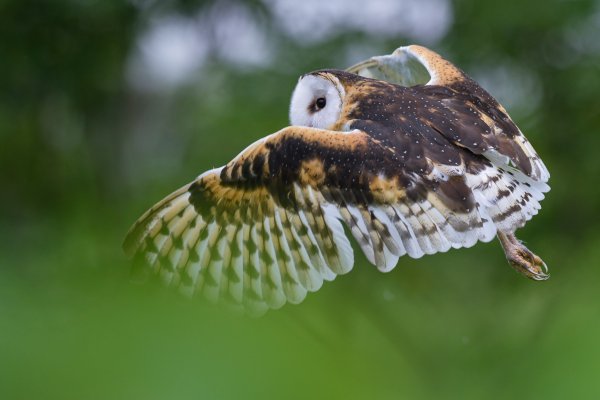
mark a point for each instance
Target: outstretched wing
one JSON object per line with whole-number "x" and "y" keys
{"x": 265, "y": 228}
{"x": 479, "y": 124}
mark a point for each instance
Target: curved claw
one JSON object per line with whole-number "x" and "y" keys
{"x": 530, "y": 265}
{"x": 522, "y": 259}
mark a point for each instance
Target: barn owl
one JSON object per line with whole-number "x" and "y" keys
{"x": 405, "y": 150}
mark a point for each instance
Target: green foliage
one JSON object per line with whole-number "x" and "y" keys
{"x": 84, "y": 152}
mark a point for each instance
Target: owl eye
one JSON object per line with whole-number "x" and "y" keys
{"x": 321, "y": 102}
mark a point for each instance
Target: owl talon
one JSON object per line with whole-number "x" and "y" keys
{"x": 522, "y": 259}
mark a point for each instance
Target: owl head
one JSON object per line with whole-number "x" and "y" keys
{"x": 317, "y": 100}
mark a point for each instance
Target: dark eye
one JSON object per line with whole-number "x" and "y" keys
{"x": 321, "y": 102}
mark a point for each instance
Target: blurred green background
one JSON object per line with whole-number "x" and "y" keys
{"x": 107, "y": 106}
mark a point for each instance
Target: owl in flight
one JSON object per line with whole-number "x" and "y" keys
{"x": 406, "y": 151}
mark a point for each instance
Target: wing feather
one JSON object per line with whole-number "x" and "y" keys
{"x": 266, "y": 228}
{"x": 477, "y": 121}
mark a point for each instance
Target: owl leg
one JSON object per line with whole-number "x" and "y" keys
{"x": 522, "y": 259}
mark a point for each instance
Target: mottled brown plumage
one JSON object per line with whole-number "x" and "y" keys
{"x": 409, "y": 169}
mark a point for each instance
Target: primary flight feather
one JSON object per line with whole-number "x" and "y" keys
{"x": 407, "y": 151}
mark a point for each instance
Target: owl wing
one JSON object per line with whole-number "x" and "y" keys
{"x": 481, "y": 124}
{"x": 266, "y": 228}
